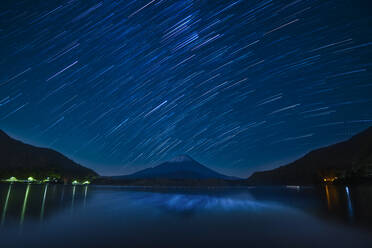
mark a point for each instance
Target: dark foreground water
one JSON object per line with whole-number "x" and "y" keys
{"x": 99, "y": 216}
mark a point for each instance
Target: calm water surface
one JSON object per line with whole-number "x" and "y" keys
{"x": 102, "y": 216}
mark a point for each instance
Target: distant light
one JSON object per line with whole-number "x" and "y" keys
{"x": 75, "y": 182}
{"x": 30, "y": 179}
{"x": 86, "y": 182}
{"x": 330, "y": 179}
{"x": 12, "y": 179}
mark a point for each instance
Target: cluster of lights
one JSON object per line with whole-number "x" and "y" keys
{"x": 329, "y": 179}
{"x": 12, "y": 179}
{"x": 75, "y": 182}
{"x": 32, "y": 180}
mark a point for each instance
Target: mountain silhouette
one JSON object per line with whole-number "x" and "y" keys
{"x": 180, "y": 167}
{"x": 23, "y": 160}
{"x": 353, "y": 156}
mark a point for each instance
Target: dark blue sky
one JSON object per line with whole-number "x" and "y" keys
{"x": 239, "y": 85}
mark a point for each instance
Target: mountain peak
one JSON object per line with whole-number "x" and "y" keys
{"x": 180, "y": 167}
{"x": 182, "y": 158}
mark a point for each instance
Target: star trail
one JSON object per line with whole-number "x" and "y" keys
{"x": 238, "y": 85}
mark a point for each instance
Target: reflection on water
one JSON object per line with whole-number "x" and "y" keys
{"x": 339, "y": 203}
{"x": 24, "y": 206}
{"x": 96, "y": 215}
{"x": 43, "y": 203}
{"x": 328, "y": 197}
{"x": 26, "y": 201}
{"x": 350, "y": 207}
{"x": 73, "y": 197}
{"x": 349, "y": 204}
{"x": 85, "y": 195}
{"x": 186, "y": 203}
{"x": 6, "y": 205}
{"x": 330, "y": 201}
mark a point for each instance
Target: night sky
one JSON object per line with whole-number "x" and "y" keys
{"x": 238, "y": 85}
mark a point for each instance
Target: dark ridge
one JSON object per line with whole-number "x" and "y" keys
{"x": 23, "y": 160}
{"x": 351, "y": 158}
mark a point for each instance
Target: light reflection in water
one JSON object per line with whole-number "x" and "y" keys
{"x": 24, "y": 206}
{"x": 185, "y": 203}
{"x": 328, "y": 197}
{"x": 85, "y": 195}
{"x": 349, "y": 205}
{"x": 63, "y": 193}
{"x": 21, "y": 202}
{"x": 43, "y": 202}
{"x": 334, "y": 197}
{"x": 6, "y": 204}
{"x": 73, "y": 198}
{"x": 176, "y": 213}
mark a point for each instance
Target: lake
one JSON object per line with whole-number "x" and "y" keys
{"x": 107, "y": 216}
